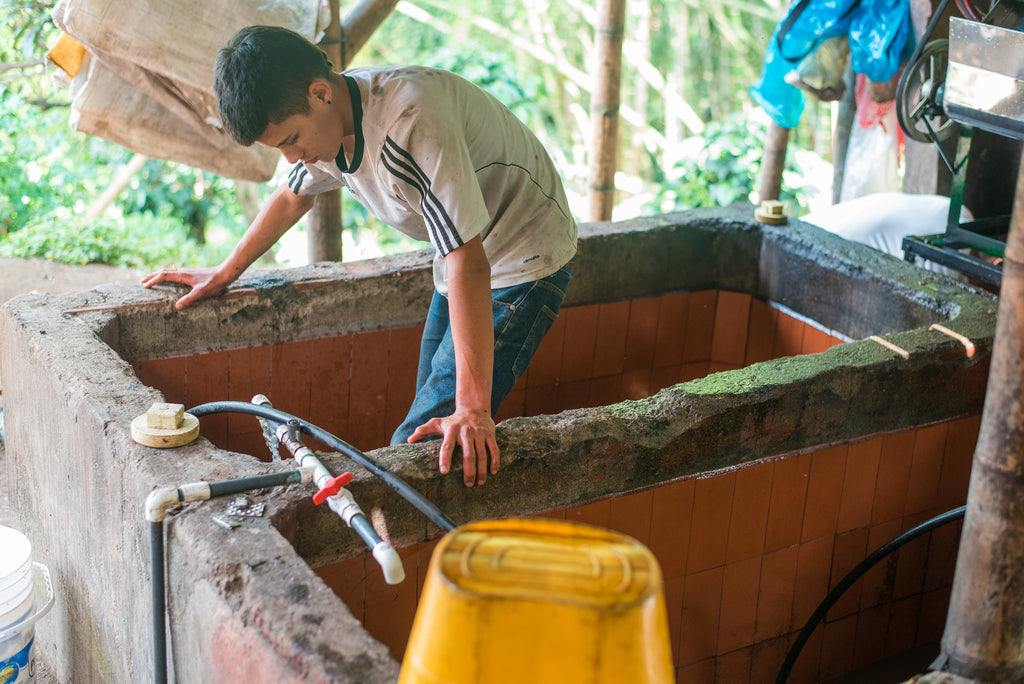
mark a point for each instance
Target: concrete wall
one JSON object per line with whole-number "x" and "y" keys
{"x": 748, "y": 553}
{"x": 247, "y": 603}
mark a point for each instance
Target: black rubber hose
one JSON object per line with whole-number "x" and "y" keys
{"x": 247, "y": 484}
{"x": 156, "y": 559}
{"x": 854, "y": 575}
{"x": 156, "y": 556}
{"x": 433, "y": 513}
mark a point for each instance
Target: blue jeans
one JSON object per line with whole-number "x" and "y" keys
{"x": 523, "y": 314}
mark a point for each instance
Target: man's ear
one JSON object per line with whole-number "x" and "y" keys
{"x": 320, "y": 91}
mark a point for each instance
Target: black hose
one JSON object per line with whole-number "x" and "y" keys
{"x": 433, "y": 513}
{"x": 247, "y": 484}
{"x": 873, "y": 558}
{"x": 156, "y": 559}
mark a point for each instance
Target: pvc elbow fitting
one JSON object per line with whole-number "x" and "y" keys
{"x": 159, "y": 500}
{"x": 390, "y": 563}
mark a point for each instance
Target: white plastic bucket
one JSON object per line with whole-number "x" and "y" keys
{"x": 18, "y": 588}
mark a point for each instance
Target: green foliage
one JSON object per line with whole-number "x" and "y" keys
{"x": 44, "y": 165}
{"x": 27, "y": 36}
{"x": 535, "y": 57}
{"x": 193, "y": 195}
{"x": 719, "y": 168}
{"x": 49, "y": 174}
{"x": 138, "y": 240}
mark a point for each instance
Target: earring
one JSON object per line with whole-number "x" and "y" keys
{"x": 328, "y": 102}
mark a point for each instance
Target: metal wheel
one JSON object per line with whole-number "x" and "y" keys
{"x": 919, "y": 95}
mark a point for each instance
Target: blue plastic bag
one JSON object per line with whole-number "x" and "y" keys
{"x": 879, "y": 35}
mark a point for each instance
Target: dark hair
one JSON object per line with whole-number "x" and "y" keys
{"x": 262, "y": 77}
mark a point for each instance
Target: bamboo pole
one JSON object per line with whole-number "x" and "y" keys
{"x": 604, "y": 107}
{"x": 341, "y": 41}
{"x": 985, "y": 623}
{"x": 847, "y": 114}
{"x": 360, "y": 23}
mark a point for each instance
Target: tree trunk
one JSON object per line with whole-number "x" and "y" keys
{"x": 985, "y": 624}
{"x": 773, "y": 161}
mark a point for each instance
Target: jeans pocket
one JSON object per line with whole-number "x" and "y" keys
{"x": 541, "y": 325}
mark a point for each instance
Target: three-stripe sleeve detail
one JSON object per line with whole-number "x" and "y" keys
{"x": 296, "y": 176}
{"x": 400, "y": 164}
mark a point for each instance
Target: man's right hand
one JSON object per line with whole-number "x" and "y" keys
{"x": 203, "y": 281}
{"x": 281, "y": 212}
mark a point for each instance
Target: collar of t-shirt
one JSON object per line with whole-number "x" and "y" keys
{"x": 357, "y": 123}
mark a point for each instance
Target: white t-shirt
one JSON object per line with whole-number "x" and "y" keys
{"x": 441, "y": 160}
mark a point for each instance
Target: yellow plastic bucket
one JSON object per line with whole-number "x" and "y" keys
{"x": 533, "y": 601}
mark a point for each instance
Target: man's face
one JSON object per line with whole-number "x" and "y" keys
{"x": 309, "y": 138}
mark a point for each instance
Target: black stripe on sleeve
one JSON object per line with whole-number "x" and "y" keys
{"x": 296, "y": 176}
{"x": 439, "y": 224}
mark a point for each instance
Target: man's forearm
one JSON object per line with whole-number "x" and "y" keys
{"x": 281, "y": 212}
{"x": 472, "y": 323}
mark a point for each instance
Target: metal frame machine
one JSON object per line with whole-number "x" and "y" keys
{"x": 973, "y": 80}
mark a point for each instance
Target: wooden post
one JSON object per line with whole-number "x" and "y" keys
{"x": 985, "y": 624}
{"x": 841, "y": 138}
{"x": 773, "y": 161}
{"x": 360, "y": 23}
{"x": 324, "y": 240}
{"x": 341, "y": 41}
{"x": 604, "y": 107}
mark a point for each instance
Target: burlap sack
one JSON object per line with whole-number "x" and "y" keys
{"x": 148, "y": 82}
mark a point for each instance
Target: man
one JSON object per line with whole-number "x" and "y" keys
{"x": 439, "y": 159}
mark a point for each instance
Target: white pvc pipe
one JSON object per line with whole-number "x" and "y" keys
{"x": 345, "y": 506}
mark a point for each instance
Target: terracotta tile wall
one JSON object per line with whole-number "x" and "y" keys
{"x": 747, "y": 554}
{"x": 359, "y": 386}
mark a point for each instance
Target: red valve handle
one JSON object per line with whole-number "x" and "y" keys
{"x": 332, "y": 487}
